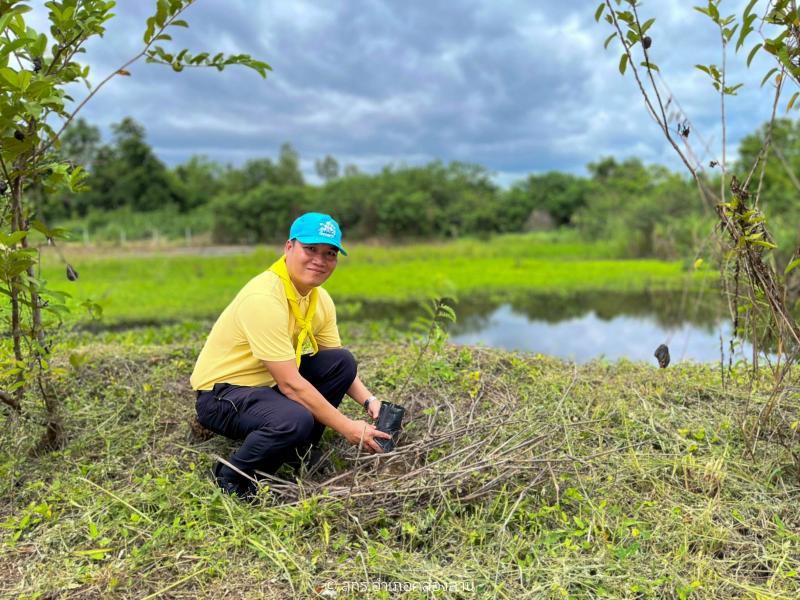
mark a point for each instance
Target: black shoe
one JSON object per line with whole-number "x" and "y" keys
{"x": 230, "y": 482}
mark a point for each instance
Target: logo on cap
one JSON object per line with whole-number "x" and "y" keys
{"x": 327, "y": 229}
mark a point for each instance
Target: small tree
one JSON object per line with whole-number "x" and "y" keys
{"x": 327, "y": 168}
{"x": 754, "y": 281}
{"x": 130, "y": 174}
{"x": 35, "y": 69}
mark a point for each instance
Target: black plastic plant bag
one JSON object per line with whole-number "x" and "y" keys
{"x": 390, "y": 420}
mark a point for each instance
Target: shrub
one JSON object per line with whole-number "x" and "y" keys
{"x": 263, "y": 214}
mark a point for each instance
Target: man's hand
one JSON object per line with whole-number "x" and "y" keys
{"x": 363, "y": 432}
{"x": 374, "y": 409}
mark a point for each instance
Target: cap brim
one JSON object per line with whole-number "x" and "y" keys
{"x": 320, "y": 240}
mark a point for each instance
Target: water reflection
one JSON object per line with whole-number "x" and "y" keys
{"x": 587, "y": 326}
{"x": 591, "y": 336}
{"x": 667, "y": 309}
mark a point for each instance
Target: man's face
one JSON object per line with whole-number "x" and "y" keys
{"x": 310, "y": 265}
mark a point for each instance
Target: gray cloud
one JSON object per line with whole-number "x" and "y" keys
{"x": 516, "y": 86}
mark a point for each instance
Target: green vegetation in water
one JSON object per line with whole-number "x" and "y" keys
{"x": 605, "y": 481}
{"x": 172, "y": 286}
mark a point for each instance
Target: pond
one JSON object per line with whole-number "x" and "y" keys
{"x": 589, "y": 326}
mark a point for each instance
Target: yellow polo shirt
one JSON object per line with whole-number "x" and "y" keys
{"x": 258, "y": 325}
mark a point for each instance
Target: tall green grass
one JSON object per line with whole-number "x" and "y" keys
{"x": 176, "y": 285}
{"x": 126, "y": 225}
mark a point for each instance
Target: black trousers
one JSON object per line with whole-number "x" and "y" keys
{"x": 272, "y": 426}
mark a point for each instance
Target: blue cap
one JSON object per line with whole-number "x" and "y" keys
{"x": 317, "y": 228}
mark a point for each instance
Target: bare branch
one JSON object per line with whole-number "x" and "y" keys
{"x": 765, "y": 147}
{"x": 650, "y": 75}
{"x": 662, "y": 124}
{"x": 723, "y": 165}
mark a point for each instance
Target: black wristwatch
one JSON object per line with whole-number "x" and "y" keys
{"x": 367, "y": 401}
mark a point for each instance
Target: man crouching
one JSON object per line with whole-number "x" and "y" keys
{"x": 252, "y": 379}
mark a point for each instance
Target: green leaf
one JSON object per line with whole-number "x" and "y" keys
{"x": 5, "y": 19}
{"x": 731, "y": 90}
{"x": 199, "y": 58}
{"x": 39, "y": 46}
{"x": 752, "y": 54}
{"x": 783, "y": 56}
{"x": 76, "y": 183}
{"x": 39, "y": 89}
{"x": 41, "y": 228}
{"x": 24, "y": 80}
{"x": 792, "y": 265}
{"x": 162, "y": 10}
{"x": 608, "y": 40}
{"x": 12, "y": 147}
{"x": 626, "y": 17}
{"x": 10, "y": 77}
{"x": 743, "y": 33}
{"x": 150, "y": 30}
{"x": 67, "y": 13}
{"x": 12, "y": 239}
{"x": 647, "y": 24}
{"x": 769, "y": 74}
{"x": 649, "y": 65}
{"x": 8, "y": 48}
{"x": 180, "y": 23}
{"x": 623, "y": 63}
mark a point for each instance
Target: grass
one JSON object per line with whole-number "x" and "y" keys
{"x": 635, "y": 482}
{"x": 519, "y": 475}
{"x": 171, "y": 286}
{"x": 123, "y": 225}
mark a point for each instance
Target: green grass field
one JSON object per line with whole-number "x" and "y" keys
{"x": 169, "y": 286}
{"x": 519, "y": 476}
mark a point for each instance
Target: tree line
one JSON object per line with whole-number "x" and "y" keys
{"x": 652, "y": 210}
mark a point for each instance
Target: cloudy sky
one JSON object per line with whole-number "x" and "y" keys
{"x": 514, "y": 85}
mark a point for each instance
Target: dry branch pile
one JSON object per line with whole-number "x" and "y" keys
{"x": 460, "y": 452}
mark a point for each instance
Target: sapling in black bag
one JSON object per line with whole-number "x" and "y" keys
{"x": 390, "y": 420}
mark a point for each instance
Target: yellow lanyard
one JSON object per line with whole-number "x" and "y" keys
{"x": 279, "y": 268}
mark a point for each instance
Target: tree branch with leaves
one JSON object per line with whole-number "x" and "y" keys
{"x": 35, "y": 70}
{"x": 748, "y": 252}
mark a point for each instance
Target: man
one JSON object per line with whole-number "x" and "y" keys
{"x": 252, "y": 379}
